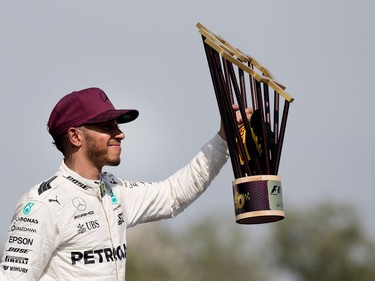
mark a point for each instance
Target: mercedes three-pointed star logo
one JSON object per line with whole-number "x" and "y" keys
{"x": 79, "y": 203}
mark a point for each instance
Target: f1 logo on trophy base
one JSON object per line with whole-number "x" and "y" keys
{"x": 255, "y": 148}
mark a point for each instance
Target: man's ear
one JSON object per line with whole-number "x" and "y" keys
{"x": 75, "y": 136}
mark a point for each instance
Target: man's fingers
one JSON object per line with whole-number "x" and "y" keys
{"x": 235, "y": 107}
{"x": 248, "y": 112}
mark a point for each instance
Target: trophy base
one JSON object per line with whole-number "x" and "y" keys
{"x": 258, "y": 199}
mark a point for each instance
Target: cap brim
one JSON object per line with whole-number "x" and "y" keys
{"x": 121, "y": 115}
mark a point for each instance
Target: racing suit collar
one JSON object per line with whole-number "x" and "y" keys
{"x": 89, "y": 186}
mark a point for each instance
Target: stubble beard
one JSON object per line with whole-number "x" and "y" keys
{"x": 99, "y": 155}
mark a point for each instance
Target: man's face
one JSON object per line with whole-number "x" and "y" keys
{"x": 102, "y": 143}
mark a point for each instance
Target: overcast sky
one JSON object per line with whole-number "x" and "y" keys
{"x": 149, "y": 55}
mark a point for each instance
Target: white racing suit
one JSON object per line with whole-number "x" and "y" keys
{"x": 71, "y": 228}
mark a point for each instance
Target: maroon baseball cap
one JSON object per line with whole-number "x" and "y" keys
{"x": 86, "y": 106}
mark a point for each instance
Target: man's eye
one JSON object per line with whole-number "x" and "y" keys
{"x": 109, "y": 127}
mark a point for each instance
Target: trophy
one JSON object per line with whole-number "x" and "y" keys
{"x": 255, "y": 146}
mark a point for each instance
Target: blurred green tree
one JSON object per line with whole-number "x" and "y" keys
{"x": 325, "y": 243}
{"x": 210, "y": 250}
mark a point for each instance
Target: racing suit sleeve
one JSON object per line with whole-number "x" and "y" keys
{"x": 150, "y": 201}
{"x": 31, "y": 240}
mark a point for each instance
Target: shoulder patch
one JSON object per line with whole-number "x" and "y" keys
{"x": 46, "y": 185}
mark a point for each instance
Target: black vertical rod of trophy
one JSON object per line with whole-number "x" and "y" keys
{"x": 276, "y": 107}
{"x": 266, "y": 154}
{"x": 253, "y": 90}
{"x": 228, "y": 81}
{"x": 266, "y": 104}
{"x": 219, "y": 85}
{"x": 240, "y": 145}
{"x": 281, "y": 136}
{"x": 244, "y": 105}
{"x": 254, "y": 159}
{"x": 267, "y": 114}
{"x": 242, "y": 86}
{"x": 225, "y": 101}
{"x": 210, "y": 58}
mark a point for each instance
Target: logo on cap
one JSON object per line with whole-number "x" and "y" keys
{"x": 104, "y": 97}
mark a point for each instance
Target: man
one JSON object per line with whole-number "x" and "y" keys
{"x": 73, "y": 225}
